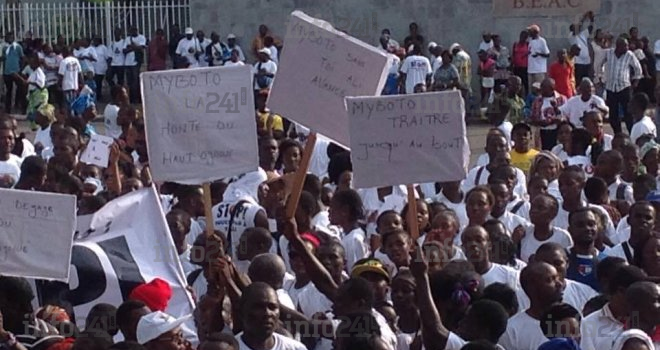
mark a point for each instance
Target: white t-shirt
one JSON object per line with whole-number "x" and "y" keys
{"x": 42, "y": 136}
{"x": 627, "y": 191}
{"x": 11, "y": 167}
{"x": 70, "y": 70}
{"x": 312, "y": 301}
{"x": 581, "y": 40}
{"x": 356, "y": 247}
{"x": 52, "y": 66}
{"x": 537, "y": 64}
{"x": 112, "y": 129}
{"x": 243, "y": 220}
{"x": 87, "y": 64}
{"x": 530, "y": 244}
{"x": 476, "y": 177}
{"x": 512, "y": 221}
{"x": 234, "y": 64}
{"x": 416, "y": 68}
{"x": 436, "y": 62}
{"x": 188, "y": 48}
{"x": 575, "y": 108}
{"x": 559, "y": 151}
{"x": 583, "y": 162}
{"x": 37, "y": 79}
{"x": 486, "y": 45}
{"x": 562, "y": 218}
{"x": 506, "y": 128}
{"x": 599, "y": 58}
{"x": 139, "y": 40}
{"x": 281, "y": 343}
{"x": 203, "y": 60}
{"x": 522, "y": 333}
{"x": 643, "y": 127}
{"x": 269, "y": 67}
{"x": 577, "y": 294}
{"x": 117, "y": 53}
{"x": 274, "y": 55}
{"x": 101, "y": 64}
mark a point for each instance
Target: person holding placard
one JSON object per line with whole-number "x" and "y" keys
{"x": 415, "y": 69}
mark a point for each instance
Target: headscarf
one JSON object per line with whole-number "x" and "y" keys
{"x": 81, "y": 104}
{"x": 246, "y": 187}
{"x": 647, "y": 147}
{"x": 560, "y": 344}
{"x": 48, "y": 111}
{"x": 549, "y": 156}
{"x": 621, "y": 340}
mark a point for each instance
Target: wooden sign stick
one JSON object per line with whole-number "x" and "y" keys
{"x": 299, "y": 179}
{"x": 208, "y": 213}
{"x": 413, "y": 226}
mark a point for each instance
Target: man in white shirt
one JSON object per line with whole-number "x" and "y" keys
{"x": 436, "y": 59}
{"x": 575, "y": 294}
{"x": 203, "y": 44}
{"x": 642, "y": 221}
{"x": 70, "y": 76}
{"x": 479, "y": 175}
{"x": 264, "y": 71}
{"x": 622, "y": 74}
{"x": 86, "y": 55}
{"x": 260, "y": 310}
{"x": 100, "y": 65}
{"x": 116, "y": 58}
{"x": 10, "y": 164}
{"x": 580, "y": 37}
{"x": 231, "y": 43}
{"x": 575, "y": 108}
{"x": 542, "y": 284}
{"x": 134, "y": 51}
{"x": 189, "y": 48}
{"x": 599, "y": 329}
{"x": 537, "y": 65}
{"x": 644, "y": 125}
{"x": 415, "y": 69}
{"x": 487, "y": 42}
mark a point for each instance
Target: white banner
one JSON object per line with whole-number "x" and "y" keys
{"x": 200, "y": 123}
{"x": 36, "y": 234}
{"x": 408, "y": 139}
{"x": 124, "y": 244}
{"x": 318, "y": 68}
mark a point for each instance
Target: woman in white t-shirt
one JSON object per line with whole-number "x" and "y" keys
{"x": 542, "y": 212}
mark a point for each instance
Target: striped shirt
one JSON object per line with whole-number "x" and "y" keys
{"x": 617, "y": 70}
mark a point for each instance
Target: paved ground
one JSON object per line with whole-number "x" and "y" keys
{"x": 476, "y": 135}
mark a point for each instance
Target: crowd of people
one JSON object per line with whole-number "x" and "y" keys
{"x": 544, "y": 245}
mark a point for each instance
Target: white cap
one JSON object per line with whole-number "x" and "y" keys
{"x": 152, "y": 325}
{"x": 432, "y": 44}
{"x": 454, "y": 46}
{"x": 231, "y": 36}
{"x": 189, "y": 31}
{"x": 265, "y": 50}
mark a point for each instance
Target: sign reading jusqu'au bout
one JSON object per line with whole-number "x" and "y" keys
{"x": 407, "y": 139}
{"x": 200, "y": 123}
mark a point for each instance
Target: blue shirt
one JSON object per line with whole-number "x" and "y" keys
{"x": 583, "y": 270}
{"x": 12, "y": 55}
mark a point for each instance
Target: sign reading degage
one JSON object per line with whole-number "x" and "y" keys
{"x": 319, "y": 67}
{"x": 200, "y": 123}
{"x": 523, "y": 8}
{"x": 407, "y": 139}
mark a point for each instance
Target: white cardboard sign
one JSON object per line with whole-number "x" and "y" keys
{"x": 36, "y": 234}
{"x": 97, "y": 151}
{"x": 319, "y": 67}
{"x": 200, "y": 123}
{"x": 408, "y": 139}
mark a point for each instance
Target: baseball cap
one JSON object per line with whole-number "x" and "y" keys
{"x": 189, "y": 31}
{"x": 152, "y": 325}
{"x": 454, "y": 46}
{"x": 231, "y": 36}
{"x": 432, "y": 44}
{"x": 536, "y": 85}
{"x": 370, "y": 265}
{"x": 265, "y": 51}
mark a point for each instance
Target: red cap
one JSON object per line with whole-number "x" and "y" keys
{"x": 156, "y": 294}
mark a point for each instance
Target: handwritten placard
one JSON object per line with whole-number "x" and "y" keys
{"x": 97, "y": 151}
{"x": 36, "y": 234}
{"x": 544, "y": 8}
{"x": 200, "y": 123}
{"x": 408, "y": 139}
{"x": 318, "y": 68}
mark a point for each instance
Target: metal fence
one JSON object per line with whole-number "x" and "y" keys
{"x": 75, "y": 20}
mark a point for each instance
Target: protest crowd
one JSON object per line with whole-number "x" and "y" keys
{"x": 550, "y": 241}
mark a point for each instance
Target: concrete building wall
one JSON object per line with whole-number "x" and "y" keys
{"x": 442, "y": 21}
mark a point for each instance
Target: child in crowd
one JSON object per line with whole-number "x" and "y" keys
{"x": 523, "y": 153}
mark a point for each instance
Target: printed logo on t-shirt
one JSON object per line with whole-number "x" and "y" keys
{"x": 585, "y": 270}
